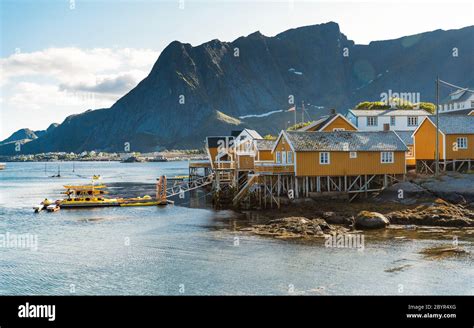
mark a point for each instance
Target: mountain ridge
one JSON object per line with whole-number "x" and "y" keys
{"x": 190, "y": 89}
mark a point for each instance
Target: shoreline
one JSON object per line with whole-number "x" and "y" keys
{"x": 165, "y": 156}
{"x": 422, "y": 214}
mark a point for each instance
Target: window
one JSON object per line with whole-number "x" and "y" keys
{"x": 410, "y": 151}
{"x": 324, "y": 158}
{"x": 283, "y": 157}
{"x": 392, "y": 120}
{"x": 353, "y": 154}
{"x": 371, "y": 121}
{"x": 462, "y": 142}
{"x": 339, "y": 129}
{"x": 278, "y": 157}
{"x": 472, "y": 103}
{"x": 386, "y": 157}
{"x": 289, "y": 157}
{"x": 412, "y": 120}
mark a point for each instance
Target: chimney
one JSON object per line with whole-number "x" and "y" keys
{"x": 386, "y": 127}
{"x": 333, "y": 111}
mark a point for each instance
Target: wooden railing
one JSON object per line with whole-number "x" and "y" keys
{"x": 225, "y": 165}
{"x": 272, "y": 167}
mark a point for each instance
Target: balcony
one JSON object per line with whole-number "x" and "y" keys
{"x": 224, "y": 165}
{"x": 273, "y": 168}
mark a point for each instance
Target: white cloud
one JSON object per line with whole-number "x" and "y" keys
{"x": 34, "y": 96}
{"x": 57, "y": 82}
{"x": 75, "y": 64}
{"x": 118, "y": 83}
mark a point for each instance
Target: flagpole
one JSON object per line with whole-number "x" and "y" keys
{"x": 302, "y": 112}
{"x": 295, "y": 115}
{"x": 437, "y": 126}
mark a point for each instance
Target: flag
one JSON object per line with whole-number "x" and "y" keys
{"x": 292, "y": 109}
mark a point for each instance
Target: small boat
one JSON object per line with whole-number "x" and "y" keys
{"x": 42, "y": 206}
{"x": 52, "y": 208}
{"x": 179, "y": 177}
{"x": 91, "y": 195}
{"x": 2, "y": 166}
{"x": 38, "y": 208}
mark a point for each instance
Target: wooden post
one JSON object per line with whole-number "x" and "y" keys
{"x": 296, "y": 187}
{"x": 307, "y": 186}
{"x": 279, "y": 182}
{"x": 366, "y": 186}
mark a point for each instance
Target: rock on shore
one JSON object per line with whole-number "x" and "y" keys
{"x": 440, "y": 213}
{"x": 371, "y": 220}
{"x": 295, "y": 227}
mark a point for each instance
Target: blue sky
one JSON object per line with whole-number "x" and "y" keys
{"x": 60, "y": 57}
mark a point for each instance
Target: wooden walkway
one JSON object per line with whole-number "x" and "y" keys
{"x": 180, "y": 188}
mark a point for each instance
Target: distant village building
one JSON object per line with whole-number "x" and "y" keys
{"x": 458, "y": 102}
{"x": 397, "y": 119}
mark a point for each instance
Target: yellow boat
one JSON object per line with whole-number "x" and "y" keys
{"x": 92, "y": 196}
{"x": 88, "y": 202}
{"x": 86, "y": 196}
{"x": 141, "y": 201}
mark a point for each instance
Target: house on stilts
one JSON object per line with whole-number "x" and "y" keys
{"x": 455, "y": 143}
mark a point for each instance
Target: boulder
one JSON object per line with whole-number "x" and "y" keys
{"x": 371, "y": 220}
{"x": 333, "y": 218}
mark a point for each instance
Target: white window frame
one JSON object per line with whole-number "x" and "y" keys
{"x": 372, "y": 123}
{"x": 387, "y": 157}
{"x": 461, "y": 145}
{"x": 393, "y": 120}
{"x": 278, "y": 157}
{"x": 289, "y": 157}
{"x": 410, "y": 120}
{"x": 328, "y": 158}
{"x": 353, "y": 154}
{"x": 283, "y": 157}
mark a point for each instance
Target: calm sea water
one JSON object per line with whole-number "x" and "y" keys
{"x": 183, "y": 249}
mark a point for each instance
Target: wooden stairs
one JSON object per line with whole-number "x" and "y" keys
{"x": 252, "y": 179}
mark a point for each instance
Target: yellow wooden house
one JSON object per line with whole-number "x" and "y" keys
{"x": 221, "y": 152}
{"x": 334, "y": 122}
{"x": 456, "y": 141}
{"x": 407, "y": 138}
{"x": 340, "y": 153}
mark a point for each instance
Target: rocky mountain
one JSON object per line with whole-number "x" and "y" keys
{"x": 192, "y": 92}
{"x": 27, "y": 135}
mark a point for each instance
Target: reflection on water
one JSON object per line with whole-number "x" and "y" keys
{"x": 160, "y": 250}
